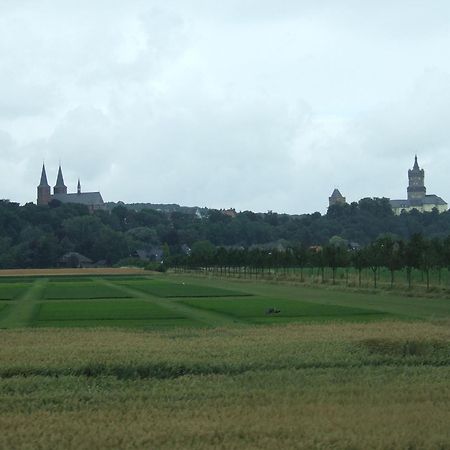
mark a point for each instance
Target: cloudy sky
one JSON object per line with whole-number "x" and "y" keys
{"x": 252, "y": 104}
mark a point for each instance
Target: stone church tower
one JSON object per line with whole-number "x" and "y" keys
{"x": 416, "y": 188}
{"x": 43, "y": 190}
{"x": 60, "y": 187}
{"x": 417, "y": 195}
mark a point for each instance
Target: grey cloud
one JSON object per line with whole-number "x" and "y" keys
{"x": 252, "y": 104}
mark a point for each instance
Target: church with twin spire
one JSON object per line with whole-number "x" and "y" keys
{"x": 93, "y": 200}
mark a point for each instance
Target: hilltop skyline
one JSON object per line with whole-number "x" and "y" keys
{"x": 251, "y": 104}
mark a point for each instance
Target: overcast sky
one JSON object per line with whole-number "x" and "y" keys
{"x": 252, "y": 104}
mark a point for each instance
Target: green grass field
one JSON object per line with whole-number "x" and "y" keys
{"x": 256, "y": 310}
{"x": 173, "y": 289}
{"x": 70, "y": 289}
{"x": 4, "y": 309}
{"x": 10, "y": 291}
{"x": 198, "y": 364}
{"x": 123, "y": 313}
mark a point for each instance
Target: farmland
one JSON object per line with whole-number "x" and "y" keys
{"x": 178, "y": 362}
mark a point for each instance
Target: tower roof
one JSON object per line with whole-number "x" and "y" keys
{"x": 416, "y": 165}
{"x": 336, "y": 193}
{"x": 60, "y": 179}
{"x": 43, "y": 182}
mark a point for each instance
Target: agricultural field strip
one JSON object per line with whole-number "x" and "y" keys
{"x": 22, "y": 311}
{"x": 4, "y": 307}
{"x": 255, "y": 308}
{"x": 173, "y": 289}
{"x": 209, "y": 318}
{"x": 80, "y": 290}
{"x": 10, "y": 291}
{"x": 177, "y": 352}
{"x": 380, "y": 301}
{"x": 99, "y": 311}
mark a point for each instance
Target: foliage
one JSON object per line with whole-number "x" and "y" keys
{"x": 38, "y": 236}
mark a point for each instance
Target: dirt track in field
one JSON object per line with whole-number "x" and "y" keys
{"x": 53, "y": 272}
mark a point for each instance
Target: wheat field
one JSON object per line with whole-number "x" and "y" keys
{"x": 362, "y": 386}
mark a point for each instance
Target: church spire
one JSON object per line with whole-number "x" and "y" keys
{"x": 43, "y": 190}
{"x": 60, "y": 187}
{"x": 43, "y": 182}
{"x": 79, "y": 187}
{"x": 416, "y": 165}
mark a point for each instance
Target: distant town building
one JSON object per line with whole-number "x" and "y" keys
{"x": 229, "y": 212}
{"x": 93, "y": 200}
{"x": 75, "y": 260}
{"x": 336, "y": 198}
{"x": 417, "y": 195}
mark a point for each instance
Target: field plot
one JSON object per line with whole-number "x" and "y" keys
{"x": 4, "y": 309}
{"x": 64, "y": 289}
{"x": 117, "y": 313}
{"x": 182, "y": 366}
{"x": 326, "y": 386}
{"x": 10, "y": 291}
{"x": 173, "y": 289}
{"x": 276, "y": 310}
{"x": 15, "y": 280}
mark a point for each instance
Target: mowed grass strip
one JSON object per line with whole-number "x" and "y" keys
{"x": 167, "y": 289}
{"x": 20, "y": 280}
{"x": 128, "y": 314}
{"x": 80, "y": 290}
{"x": 11, "y": 291}
{"x": 257, "y": 310}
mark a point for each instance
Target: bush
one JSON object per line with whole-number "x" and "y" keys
{"x": 157, "y": 267}
{"x": 131, "y": 262}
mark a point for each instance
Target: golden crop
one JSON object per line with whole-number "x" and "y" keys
{"x": 363, "y": 386}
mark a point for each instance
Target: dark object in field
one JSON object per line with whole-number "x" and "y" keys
{"x": 271, "y": 311}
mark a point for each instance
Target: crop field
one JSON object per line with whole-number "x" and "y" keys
{"x": 11, "y": 290}
{"x": 257, "y": 310}
{"x": 128, "y": 314}
{"x": 79, "y": 290}
{"x": 172, "y": 289}
{"x": 200, "y": 364}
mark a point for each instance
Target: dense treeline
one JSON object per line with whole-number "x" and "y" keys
{"x": 32, "y": 236}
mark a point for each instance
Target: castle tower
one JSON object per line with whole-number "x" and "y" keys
{"x": 60, "y": 187}
{"x": 336, "y": 198}
{"x": 416, "y": 188}
{"x": 43, "y": 190}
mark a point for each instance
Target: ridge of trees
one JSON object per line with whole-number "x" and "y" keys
{"x": 37, "y": 236}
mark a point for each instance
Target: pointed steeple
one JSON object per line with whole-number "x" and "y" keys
{"x": 416, "y": 188}
{"x": 60, "y": 187}
{"x": 60, "y": 179}
{"x": 44, "y": 182}
{"x": 43, "y": 190}
{"x": 79, "y": 187}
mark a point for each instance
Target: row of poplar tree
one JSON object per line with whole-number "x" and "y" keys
{"x": 386, "y": 252}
